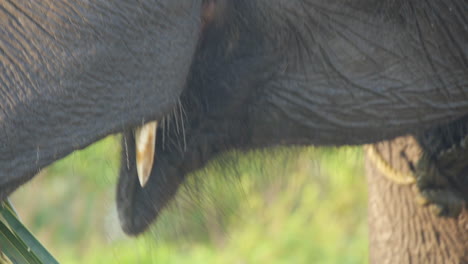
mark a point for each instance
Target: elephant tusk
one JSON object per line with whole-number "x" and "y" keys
{"x": 145, "y": 142}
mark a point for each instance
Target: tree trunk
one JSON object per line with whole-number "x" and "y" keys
{"x": 402, "y": 231}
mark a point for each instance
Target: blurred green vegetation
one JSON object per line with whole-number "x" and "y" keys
{"x": 285, "y": 205}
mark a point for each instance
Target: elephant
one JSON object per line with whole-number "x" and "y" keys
{"x": 187, "y": 80}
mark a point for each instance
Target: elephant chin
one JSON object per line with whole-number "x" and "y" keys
{"x": 139, "y": 206}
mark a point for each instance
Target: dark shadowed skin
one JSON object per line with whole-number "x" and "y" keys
{"x": 220, "y": 75}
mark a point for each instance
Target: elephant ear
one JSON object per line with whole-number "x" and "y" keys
{"x": 77, "y": 72}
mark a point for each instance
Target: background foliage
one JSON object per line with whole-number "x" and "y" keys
{"x": 295, "y": 205}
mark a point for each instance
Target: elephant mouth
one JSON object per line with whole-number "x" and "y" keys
{"x": 149, "y": 175}
{"x": 147, "y": 181}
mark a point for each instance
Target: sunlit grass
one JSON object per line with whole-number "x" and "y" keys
{"x": 299, "y": 205}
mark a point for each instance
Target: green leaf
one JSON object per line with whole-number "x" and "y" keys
{"x": 13, "y": 248}
{"x": 22, "y": 234}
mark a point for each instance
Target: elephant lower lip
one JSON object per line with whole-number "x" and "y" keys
{"x": 139, "y": 206}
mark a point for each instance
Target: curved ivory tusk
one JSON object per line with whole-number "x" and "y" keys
{"x": 145, "y": 142}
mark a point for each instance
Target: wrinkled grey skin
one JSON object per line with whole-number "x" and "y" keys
{"x": 72, "y": 72}
{"x": 247, "y": 74}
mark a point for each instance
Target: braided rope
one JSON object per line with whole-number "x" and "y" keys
{"x": 386, "y": 169}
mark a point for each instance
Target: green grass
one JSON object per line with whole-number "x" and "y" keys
{"x": 300, "y": 205}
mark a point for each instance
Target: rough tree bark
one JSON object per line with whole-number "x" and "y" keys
{"x": 401, "y": 230}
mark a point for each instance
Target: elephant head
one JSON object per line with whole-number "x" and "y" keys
{"x": 217, "y": 75}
